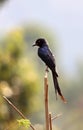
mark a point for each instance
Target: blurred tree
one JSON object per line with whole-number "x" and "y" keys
{"x": 18, "y": 77}
{"x": 2, "y": 2}
{"x": 18, "y": 70}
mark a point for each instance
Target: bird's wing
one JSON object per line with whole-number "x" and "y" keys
{"x": 46, "y": 55}
{"x": 51, "y": 55}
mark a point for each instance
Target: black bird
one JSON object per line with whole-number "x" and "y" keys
{"x": 48, "y": 58}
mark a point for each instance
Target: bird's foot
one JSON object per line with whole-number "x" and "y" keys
{"x": 46, "y": 69}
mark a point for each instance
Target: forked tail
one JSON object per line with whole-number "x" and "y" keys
{"x": 56, "y": 86}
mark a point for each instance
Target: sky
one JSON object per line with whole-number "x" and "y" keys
{"x": 62, "y": 16}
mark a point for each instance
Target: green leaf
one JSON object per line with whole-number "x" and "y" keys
{"x": 24, "y": 122}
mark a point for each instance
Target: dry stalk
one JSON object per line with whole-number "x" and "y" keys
{"x": 46, "y": 100}
{"x": 17, "y": 110}
{"x": 55, "y": 117}
{"x": 50, "y": 121}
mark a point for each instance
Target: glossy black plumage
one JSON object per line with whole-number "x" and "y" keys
{"x": 46, "y": 55}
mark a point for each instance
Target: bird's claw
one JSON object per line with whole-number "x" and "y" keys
{"x": 46, "y": 69}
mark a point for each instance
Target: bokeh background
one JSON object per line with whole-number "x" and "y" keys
{"x": 22, "y": 72}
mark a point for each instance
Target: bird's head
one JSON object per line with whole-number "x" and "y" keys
{"x": 40, "y": 42}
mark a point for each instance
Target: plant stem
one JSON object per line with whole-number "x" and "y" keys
{"x": 55, "y": 117}
{"x": 46, "y": 100}
{"x": 50, "y": 121}
{"x": 17, "y": 110}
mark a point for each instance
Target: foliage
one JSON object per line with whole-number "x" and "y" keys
{"x": 20, "y": 76}
{"x": 24, "y": 122}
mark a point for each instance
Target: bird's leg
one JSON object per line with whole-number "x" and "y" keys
{"x": 46, "y": 69}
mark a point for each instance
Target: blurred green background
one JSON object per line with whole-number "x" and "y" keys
{"x": 22, "y": 74}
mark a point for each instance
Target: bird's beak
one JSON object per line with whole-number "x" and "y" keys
{"x": 34, "y": 44}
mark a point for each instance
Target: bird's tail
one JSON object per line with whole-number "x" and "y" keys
{"x": 56, "y": 86}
